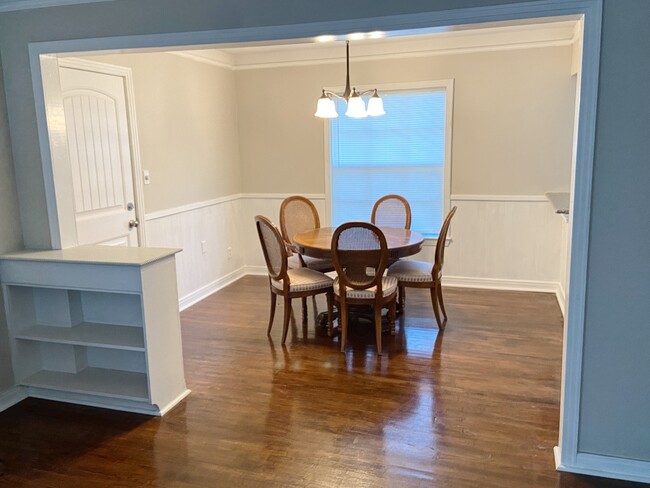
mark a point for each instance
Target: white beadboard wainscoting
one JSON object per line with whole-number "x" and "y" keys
{"x": 563, "y": 285}
{"x": 210, "y": 234}
{"x": 503, "y": 242}
{"x": 498, "y": 242}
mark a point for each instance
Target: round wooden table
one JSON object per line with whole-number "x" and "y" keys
{"x": 317, "y": 243}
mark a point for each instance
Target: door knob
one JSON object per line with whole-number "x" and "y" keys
{"x": 133, "y": 223}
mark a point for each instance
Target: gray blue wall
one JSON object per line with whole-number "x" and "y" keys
{"x": 616, "y": 383}
{"x": 615, "y": 407}
{"x": 11, "y": 237}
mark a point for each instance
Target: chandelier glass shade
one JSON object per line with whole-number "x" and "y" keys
{"x": 326, "y": 108}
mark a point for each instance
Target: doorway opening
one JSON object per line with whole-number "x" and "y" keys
{"x": 61, "y": 218}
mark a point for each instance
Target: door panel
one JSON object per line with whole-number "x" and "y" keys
{"x": 100, "y": 156}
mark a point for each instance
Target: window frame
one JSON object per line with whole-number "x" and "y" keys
{"x": 448, "y": 86}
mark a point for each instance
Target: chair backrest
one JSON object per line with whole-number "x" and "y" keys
{"x": 297, "y": 214}
{"x": 440, "y": 245}
{"x": 275, "y": 252}
{"x": 392, "y": 211}
{"x": 360, "y": 255}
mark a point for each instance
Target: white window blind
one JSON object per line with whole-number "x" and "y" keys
{"x": 401, "y": 152}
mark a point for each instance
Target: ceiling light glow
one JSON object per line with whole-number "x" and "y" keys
{"x": 325, "y": 38}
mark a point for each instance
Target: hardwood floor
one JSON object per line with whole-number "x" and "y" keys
{"x": 477, "y": 405}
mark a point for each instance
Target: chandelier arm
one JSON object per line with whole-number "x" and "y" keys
{"x": 331, "y": 93}
{"x": 373, "y": 90}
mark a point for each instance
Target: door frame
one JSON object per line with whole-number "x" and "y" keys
{"x": 567, "y": 454}
{"x": 60, "y": 155}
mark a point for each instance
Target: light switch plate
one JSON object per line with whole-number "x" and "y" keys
{"x": 147, "y": 177}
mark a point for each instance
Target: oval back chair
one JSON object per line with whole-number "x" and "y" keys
{"x": 421, "y": 274}
{"x": 360, "y": 255}
{"x": 298, "y": 214}
{"x": 289, "y": 283}
{"x": 392, "y": 211}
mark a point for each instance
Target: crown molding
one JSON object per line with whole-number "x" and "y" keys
{"x": 212, "y": 57}
{"x": 502, "y": 38}
{"x": 14, "y": 5}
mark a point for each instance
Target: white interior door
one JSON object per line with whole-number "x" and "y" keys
{"x": 100, "y": 157}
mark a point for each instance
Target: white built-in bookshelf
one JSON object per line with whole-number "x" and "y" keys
{"x": 96, "y": 325}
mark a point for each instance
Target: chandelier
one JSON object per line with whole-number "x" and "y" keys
{"x": 326, "y": 108}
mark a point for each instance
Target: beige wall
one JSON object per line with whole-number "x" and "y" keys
{"x": 11, "y": 237}
{"x": 187, "y": 126}
{"x": 512, "y": 129}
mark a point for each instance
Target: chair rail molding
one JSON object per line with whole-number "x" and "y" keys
{"x": 159, "y": 214}
{"x": 498, "y": 198}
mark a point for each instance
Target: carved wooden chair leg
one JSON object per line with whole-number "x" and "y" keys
{"x": 273, "y": 302}
{"x": 343, "y": 320}
{"x": 330, "y": 313}
{"x": 378, "y": 328}
{"x": 441, "y": 302}
{"x": 314, "y": 305}
{"x": 434, "y": 303}
{"x": 304, "y": 309}
{"x": 392, "y": 313}
{"x": 287, "y": 318}
{"x": 402, "y": 298}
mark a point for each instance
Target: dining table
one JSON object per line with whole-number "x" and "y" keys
{"x": 317, "y": 243}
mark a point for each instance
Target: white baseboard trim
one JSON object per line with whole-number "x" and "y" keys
{"x": 561, "y": 298}
{"x": 605, "y": 466}
{"x": 90, "y": 400}
{"x": 500, "y": 284}
{"x": 256, "y": 270}
{"x": 10, "y": 397}
{"x": 464, "y": 282}
{"x": 210, "y": 288}
{"x": 174, "y": 402}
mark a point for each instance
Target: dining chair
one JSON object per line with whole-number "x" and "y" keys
{"x": 360, "y": 256}
{"x": 421, "y": 274}
{"x": 289, "y": 283}
{"x": 391, "y": 211}
{"x": 298, "y": 214}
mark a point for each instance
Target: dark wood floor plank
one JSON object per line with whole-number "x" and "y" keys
{"x": 477, "y": 405}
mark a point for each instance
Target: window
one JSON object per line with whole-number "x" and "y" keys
{"x": 402, "y": 152}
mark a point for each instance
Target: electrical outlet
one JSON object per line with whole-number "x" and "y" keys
{"x": 204, "y": 247}
{"x": 229, "y": 252}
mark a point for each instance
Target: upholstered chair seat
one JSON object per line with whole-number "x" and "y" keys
{"x": 322, "y": 265}
{"x": 305, "y": 279}
{"x": 388, "y": 287}
{"x": 409, "y": 271}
